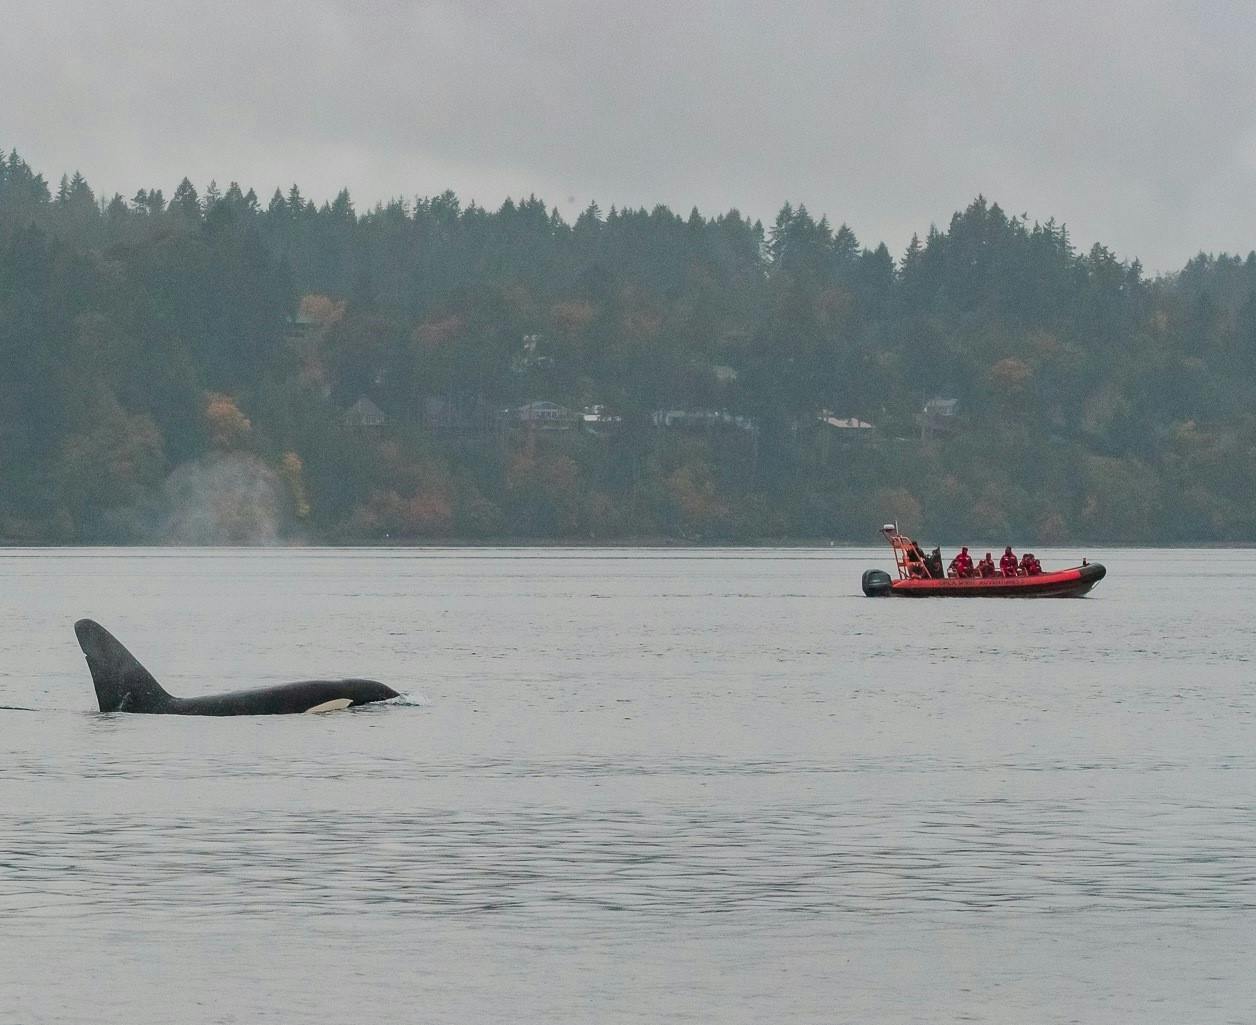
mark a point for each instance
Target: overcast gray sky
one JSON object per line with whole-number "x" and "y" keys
{"x": 1135, "y": 123}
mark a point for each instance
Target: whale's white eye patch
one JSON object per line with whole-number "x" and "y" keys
{"x": 331, "y": 706}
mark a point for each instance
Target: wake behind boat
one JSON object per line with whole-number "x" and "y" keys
{"x": 921, "y": 575}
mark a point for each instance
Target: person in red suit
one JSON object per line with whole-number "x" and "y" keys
{"x": 962, "y": 564}
{"x": 1008, "y": 564}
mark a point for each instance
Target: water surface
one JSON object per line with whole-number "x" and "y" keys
{"x": 629, "y": 786}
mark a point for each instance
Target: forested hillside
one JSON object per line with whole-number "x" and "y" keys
{"x": 215, "y": 367}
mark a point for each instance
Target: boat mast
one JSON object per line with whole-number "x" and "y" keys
{"x": 903, "y": 548}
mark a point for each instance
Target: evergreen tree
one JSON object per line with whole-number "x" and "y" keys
{"x": 1081, "y": 380}
{"x": 186, "y": 202}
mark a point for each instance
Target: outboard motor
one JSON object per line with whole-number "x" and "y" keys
{"x": 876, "y": 583}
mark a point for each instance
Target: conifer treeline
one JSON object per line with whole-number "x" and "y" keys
{"x": 141, "y": 338}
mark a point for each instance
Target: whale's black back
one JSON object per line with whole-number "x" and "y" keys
{"x": 123, "y": 685}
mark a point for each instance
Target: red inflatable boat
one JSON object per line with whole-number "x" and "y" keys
{"x": 918, "y": 579}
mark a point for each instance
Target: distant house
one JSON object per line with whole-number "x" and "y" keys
{"x": 544, "y": 416}
{"x": 302, "y": 324}
{"x": 364, "y": 413}
{"x": 938, "y": 417}
{"x": 531, "y": 356}
{"x": 704, "y": 419}
{"x": 852, "y": 425}
{"x": 598, "y": 419}
{"x": 724, "y": 374}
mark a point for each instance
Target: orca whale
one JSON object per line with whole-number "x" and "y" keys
{"x": 123, "y": 685}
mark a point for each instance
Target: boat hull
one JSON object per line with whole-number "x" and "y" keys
{"x": 1064, "y": 583}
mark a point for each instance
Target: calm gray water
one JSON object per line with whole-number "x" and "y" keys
{"x": 630, "y": 786}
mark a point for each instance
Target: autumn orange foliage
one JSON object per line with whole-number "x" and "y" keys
{"x": 228, "y": 427}
{"x": 321, "y": 310}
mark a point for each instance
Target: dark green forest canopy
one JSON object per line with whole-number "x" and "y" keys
{"x": 220, "y": 367}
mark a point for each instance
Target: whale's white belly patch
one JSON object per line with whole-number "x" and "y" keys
{"x": 331, "y": 706}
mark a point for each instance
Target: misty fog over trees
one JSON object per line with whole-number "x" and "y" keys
{"x": 221, "y": 366}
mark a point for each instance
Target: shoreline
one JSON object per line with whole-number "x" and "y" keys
{"x": 634, "y": 543}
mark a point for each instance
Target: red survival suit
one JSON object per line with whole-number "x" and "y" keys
{"x": 962, "y": 564}
{"x": 1008, "y": 564}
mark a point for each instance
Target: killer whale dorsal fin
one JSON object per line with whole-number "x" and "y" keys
{"x": 122, "y": 684}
